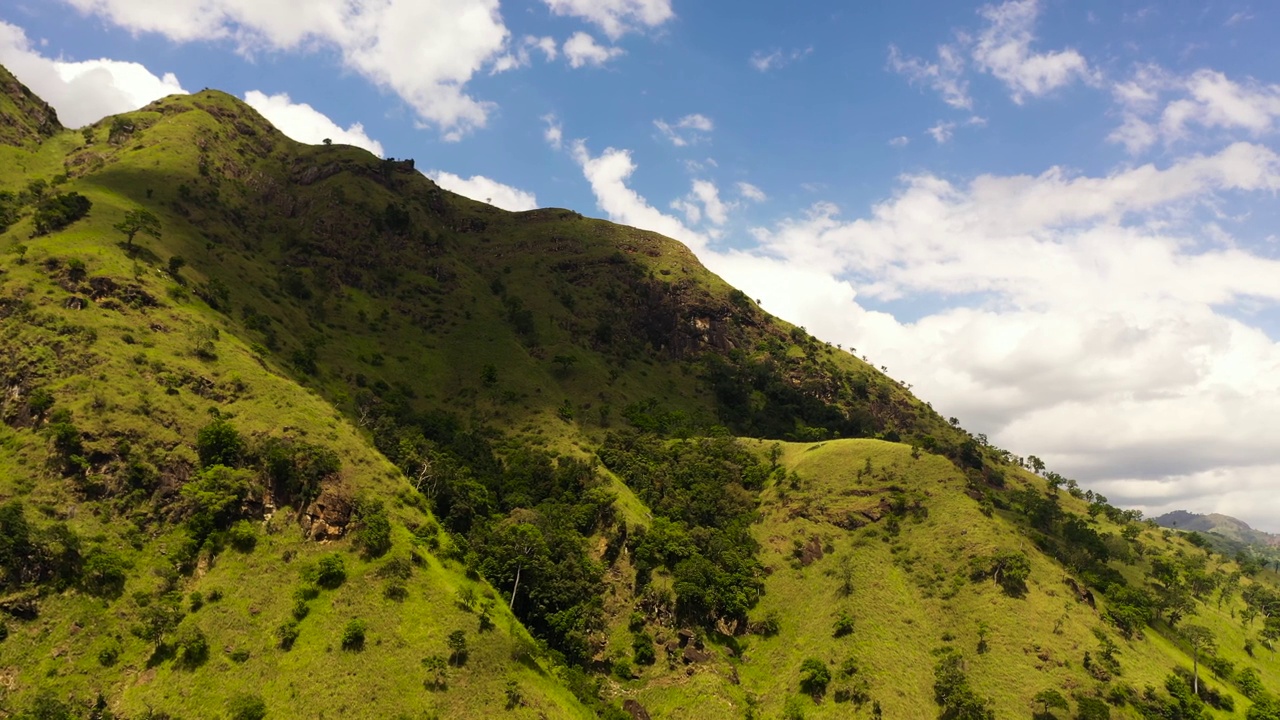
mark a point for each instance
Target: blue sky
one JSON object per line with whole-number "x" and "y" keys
{"x": 1054, "y": 218}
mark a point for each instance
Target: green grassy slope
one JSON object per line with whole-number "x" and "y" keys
{"x": 323, "y": 297}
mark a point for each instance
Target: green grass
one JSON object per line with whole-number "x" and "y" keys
{"x": 419, "y": 312}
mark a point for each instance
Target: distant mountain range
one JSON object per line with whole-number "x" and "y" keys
{"x": 1223, "y": 525}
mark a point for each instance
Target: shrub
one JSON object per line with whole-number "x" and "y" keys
{"x": 219, "y": 443}
{"x": 331, "y": 572}
{"x": 457, "y": 647}
{"x": 843, "y": 625}
{"x": 247, "y": 707}
{"x": 300, "y": 609}
{"x": 193, "y": 648}
{"x": 109, "y": 654}
{"x": 242, "y": 536}
{"x": 437, "y": 672}
{"x": 287, "y": 634}
{"x": 103, "y": 573}
{"x": 642, "y": 648}
{"x": 814, "y": 676}
{"x": 373, "y": 535}
{"x": 353, "y": 635}
{"x": 397, "y": 592}
{"x": 60, "y": 211}
{"x": 514, "y": 697}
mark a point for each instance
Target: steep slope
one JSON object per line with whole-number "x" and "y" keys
{"x": 25, "y": 119}
{"x": 232, "y": 362}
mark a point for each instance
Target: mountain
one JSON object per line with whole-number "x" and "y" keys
{"x": 1224, "y": 525}
{"x": 290, "y": 431}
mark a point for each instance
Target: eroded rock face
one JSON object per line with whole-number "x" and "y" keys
{"x": 328, "y": 516}
{"x": 635, "y": 709}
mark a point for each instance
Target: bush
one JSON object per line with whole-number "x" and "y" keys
{"x": 247, "y": 707}
{"x": 353, "y": 635}
{"x": 219, "y": 443}
{"x": 396, "y": 591}
{"x": 243, "y": 537}
{"x": 287, "y": 635}
{"x": 300, "y": 609}
{"x": 843, "y": 625}
{"x": 814, "y": 676}
{"x": 457, "y": 647}
{"x": 331, "y": 572}
{"x": 373, "y": 534}
{"x": 103, "y": 573}
{"x": 193, "y": 648}
{"x": 109, "y": 654}
{"x": 642, "y": 648}
{"x": 60, "y": 211}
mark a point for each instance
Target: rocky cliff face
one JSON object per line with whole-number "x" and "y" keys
{"x": 24, "y": 118}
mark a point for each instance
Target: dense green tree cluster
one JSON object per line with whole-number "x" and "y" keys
{"x": 59, "y": 211}
{"x": 702, "y": 494}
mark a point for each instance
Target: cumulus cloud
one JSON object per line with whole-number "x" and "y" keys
{"x": 581, "y": 49}
{"x": 608, "y": 174}
{"x": 305, "y": 124}
{"x": 703, "y": 202}
{"x": 1098, "y": 340}
{"x": 82, "y": 92}
{"x": 425, "y": 52}
{"x": 1002, "y": 48}
{"x": 1160, "y": 106}
{"x": 688, "y": 130}
{"x": 486, "y": 190}
{"x": 1083, "y": 321}
{"x": 766, "y": 61}
{"x": 616, "y": 17}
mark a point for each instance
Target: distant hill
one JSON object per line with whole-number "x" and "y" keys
{"x": 1224, "y": 525}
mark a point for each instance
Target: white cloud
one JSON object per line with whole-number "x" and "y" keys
{"x": 751, "y": 192}
{"x": 425, "y": 52}
{"x": 554, "y": 133}
{"x": 305, "y": 124}
{"x": 1003, "y": 48}
{"x": 521, "y": 55}
{"x": 608, "y": 174}
{"x": 616, "y": 17}
{"x": 942, "y": 132}
{"x": 703, "y": 200}
{"x": 900, "y": 141}
{"x": 582, "y": 49}
{"x": 82, "y": 92}
{"x": 1098, "y": 338}
{"x": 1204, "y": 101}
{"x": 764, "y": 62}
{"x": 486, "y": 190}
{"x": 688, "y": 130}
{"x": 946, "y": 76}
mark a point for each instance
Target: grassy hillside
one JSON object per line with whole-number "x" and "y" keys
{"x": 291, "y": 425}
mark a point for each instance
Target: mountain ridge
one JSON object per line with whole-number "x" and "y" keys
{"x": 437, "y": 459}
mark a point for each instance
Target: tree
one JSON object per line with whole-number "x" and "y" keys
{"x": 1201, "y": 640}
{"x": 1037, "y": 465}
{"x": 457, "y": 647}
{"x": 1050, "y": 699}
{"x": 138, "y": 221}
{"x": 845, "y": 571}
